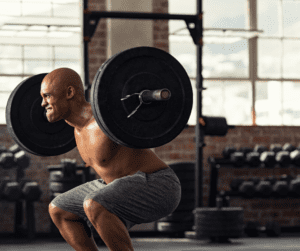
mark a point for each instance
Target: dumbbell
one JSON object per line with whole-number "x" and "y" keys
{"x": 251, "y": 158}
{"x": 10, "y": 190}
{"x": 281, "y": 188}
{"x": 254, "y": 229}
{"x": 260, "y": 149}
{"x": 7, "y": 160}
{"x": 228, "y": 150}
{"x": 288, "y": 147}
{"x": 295, "y": 157}
{"x": 295, "y": 187}
{"x": 2, "y": 149}
{"x": 21, "y": 159}
{"x": 268, "y": 159}
{"x": 263, "y": 189}
{"x": 247, "y": 189}
{"x": 275, "y": 148}
{"x": 283, "y": 158}
{"x": 30, "y": 190}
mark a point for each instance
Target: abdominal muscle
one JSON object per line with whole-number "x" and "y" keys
{"x": 127, "y": 162}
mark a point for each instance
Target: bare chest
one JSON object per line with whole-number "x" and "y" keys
{"x": 93, "y": 145}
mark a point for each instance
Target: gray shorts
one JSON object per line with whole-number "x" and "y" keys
{"x": 135, "y": 199}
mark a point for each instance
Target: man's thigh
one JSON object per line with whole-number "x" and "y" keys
{"x": 140, "y": 198}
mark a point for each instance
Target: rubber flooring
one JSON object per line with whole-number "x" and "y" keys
{"x": 150, "y": 244}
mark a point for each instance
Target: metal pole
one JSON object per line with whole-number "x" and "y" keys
{"x": 86, "y": 51}
{"x": 199, "y": 131}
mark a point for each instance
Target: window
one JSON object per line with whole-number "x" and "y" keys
{"x": 36, "y": 37}
{"x": 231, "y": 69}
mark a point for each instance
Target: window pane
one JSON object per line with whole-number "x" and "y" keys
{"x": 176, "y": 6}
{"x": 278, "y": 103}
{"x": 269, "y": 58}
{"x": 3, "y": 99}
{"x": 232, "y": 100}
{"x": 67, "y": 53}
{"x": 185, "y": 53}
{"x": 37, "y": 9}
{"x": 223, "y": 14}
{"x": 8, "y": 51}
{"x": 37, "y": 52}
{"x": 10, "y": 8}
{"x": 37, "y": 66}
{"x": 268, "y": 16}
{"x": 291, "y": 18}
{"x": 291, "y": 110}
{"x": 226, "y": 60}
{"x": 11, "y": 66}
{"x": 2, "y": 116}
{"x": 291, "y": 60}
{"x": 66, "y": 10}
{"x": 193, "y": 117}
{"x": 9, "y": 83}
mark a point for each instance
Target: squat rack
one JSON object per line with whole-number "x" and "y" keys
{"x": 195, "y": 26}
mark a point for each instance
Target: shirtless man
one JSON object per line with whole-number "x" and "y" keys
{"x": 135, "y": 186}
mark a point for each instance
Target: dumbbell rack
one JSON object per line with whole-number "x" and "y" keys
{"x": 215, "y": 165}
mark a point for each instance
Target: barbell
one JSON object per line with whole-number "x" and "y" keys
{"x": 141, "y": 98}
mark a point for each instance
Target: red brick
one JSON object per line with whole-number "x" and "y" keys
{"x": 261, "y": 140}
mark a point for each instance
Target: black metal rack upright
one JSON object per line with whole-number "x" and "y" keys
{"x": 195, "y": 26}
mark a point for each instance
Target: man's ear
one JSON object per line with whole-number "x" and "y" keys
{"x": 71, "y": 92}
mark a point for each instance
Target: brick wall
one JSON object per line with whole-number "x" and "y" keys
{"x": 183, "y": 148}
{"x": 161, "y": 27}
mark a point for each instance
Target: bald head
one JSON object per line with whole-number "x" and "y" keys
{"x": 63, "y": 94}
{"x": 61, "y": 79}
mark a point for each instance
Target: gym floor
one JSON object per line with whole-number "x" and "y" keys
{"x": 150, "y": 244}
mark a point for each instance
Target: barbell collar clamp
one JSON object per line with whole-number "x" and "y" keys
{"x": 147, "y": 96}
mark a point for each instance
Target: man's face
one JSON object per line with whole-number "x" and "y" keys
{"x": 52, "y": 102}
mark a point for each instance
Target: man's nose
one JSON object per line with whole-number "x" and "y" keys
{"x": 44, "y": 104}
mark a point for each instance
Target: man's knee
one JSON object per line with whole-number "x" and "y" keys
{"x": 58, "y": 213}
{"x": 93, "y": 209}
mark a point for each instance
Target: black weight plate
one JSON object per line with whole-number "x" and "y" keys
{"x": 178, "y": 217}
{"x": 183, "y": 166}
{"x": 133, "y": 71}
{"x": 173, "y": 227}
{"x": 28, "y": 125}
